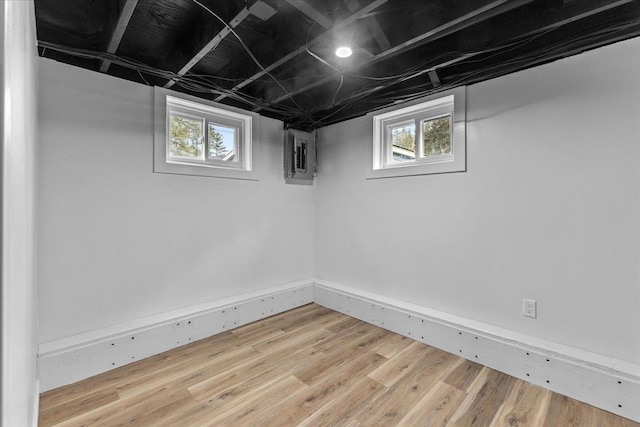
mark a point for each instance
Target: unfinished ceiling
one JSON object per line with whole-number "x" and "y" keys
{"x": 277, "y": 57}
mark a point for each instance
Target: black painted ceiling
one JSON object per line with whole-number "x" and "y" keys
{"x": 284, "y": 66}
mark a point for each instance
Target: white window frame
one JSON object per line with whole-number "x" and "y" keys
{"x": 169, "y": 102}
{"x": 450, "y": 103}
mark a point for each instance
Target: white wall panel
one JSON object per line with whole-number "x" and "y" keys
{"x": 119, "y": 242}
{"x": 548, "y": 210}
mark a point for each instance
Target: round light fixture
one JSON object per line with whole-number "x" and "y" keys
{"x": 343, "y": 52}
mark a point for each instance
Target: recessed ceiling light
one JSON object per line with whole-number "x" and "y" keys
{"x": 343, "y": 52}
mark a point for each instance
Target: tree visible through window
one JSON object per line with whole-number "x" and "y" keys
{"x": 194, "y": 137}
{"x": 436, "y": 135}
{"x": 436, "y": 139}
{"x": 185, "y": 137}
{"x": 222, "y": 142}
{"x": 403, "y": 140}
{"x": 422, "y": 138}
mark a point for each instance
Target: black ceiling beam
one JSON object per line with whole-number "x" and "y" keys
{"x": 372, "y": 25}
{"x": 573, "y": 13}
{"x": 337, "y": 26}
{"x": 207, "y": 39}
{"x": 312, "y": 13}
{"x": 115, "y": 27}
{"x": 488, "y": 11}
{"x": 488, "y": 72}
{"x": 382, "y": 86}
{"x": 320, "y": 18}
{"x": 435, "y": 80}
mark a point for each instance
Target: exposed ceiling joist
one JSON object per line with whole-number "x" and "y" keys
{"x": 420, "y": 47}
{"x": 312, "y": 13}
{"x": 357, "y": 95}
{"x": 574, "y": 12}
{"x": 488, "y": 11}
{"x": 371, "y": 24}
{"x": 351, "y": 19}
{"x": 435, "y": 80}
{"x": 578, "y": 10}
{"x": 116, "y": 28}
{"x": 481, "y": 14}
{"x": 319, "y": 18}
{"x": 211, "y": 44}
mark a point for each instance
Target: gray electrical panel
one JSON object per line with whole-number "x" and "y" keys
{"x": 299, "y": 157}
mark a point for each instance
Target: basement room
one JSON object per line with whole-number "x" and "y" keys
{"x": 320, "y": 213}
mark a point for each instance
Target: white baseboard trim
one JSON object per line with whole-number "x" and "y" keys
{"x": 606, "y": 383}
{"x": 72, "y": 359}
{"x": 581, "y": 375}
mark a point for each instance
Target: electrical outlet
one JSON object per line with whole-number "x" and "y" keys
{"x": 529, "y": 308}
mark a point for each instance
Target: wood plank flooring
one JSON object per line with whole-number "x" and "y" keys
{"x": 311, "y": 367}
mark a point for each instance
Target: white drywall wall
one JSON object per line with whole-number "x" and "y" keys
{"x": 548, "y": 210}
{"x": 119, "y": 242}
{"x": 18, "y": 76}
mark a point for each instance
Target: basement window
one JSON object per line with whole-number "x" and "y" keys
{"x": 426, "y": 137}
{"x": 198, "y": 137}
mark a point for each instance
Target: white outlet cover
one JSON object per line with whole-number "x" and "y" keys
{"x": 529, "y": 308}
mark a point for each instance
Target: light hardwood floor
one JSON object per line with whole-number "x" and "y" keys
{"x": 311, "y": 366}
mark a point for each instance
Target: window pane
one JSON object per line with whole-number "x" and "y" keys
{"x": 222, "y": 143}
{"x": 437, "y": 136}
{"x": 185, "y": 136}
{"x": 403, "y": 142}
